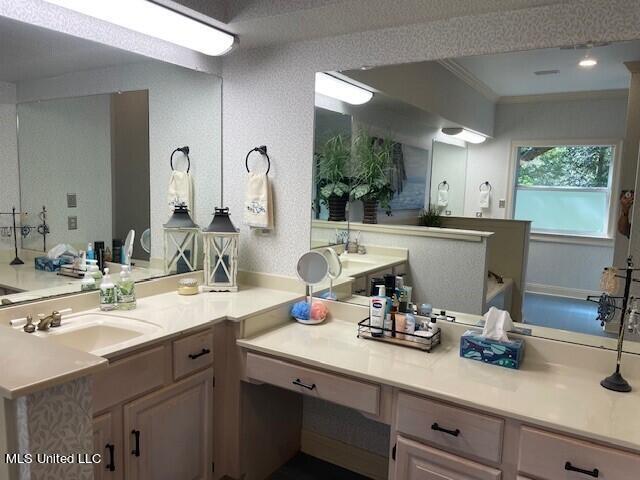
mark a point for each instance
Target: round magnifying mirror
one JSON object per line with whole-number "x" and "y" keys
{"x": 334, "y": 263}
{"x": 312, "y": 268}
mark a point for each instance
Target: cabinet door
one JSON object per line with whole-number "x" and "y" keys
{"x": 168, "y": 433}
{"x": 415, "y": 461}
{"x": 107, "y": 441}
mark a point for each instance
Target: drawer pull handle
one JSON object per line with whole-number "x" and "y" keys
{"x": 111, "y": 466}
{"x": 299, "y": 383}
{"x": 136, "y": 448}
{"x": 438, "y": 428}
{"x": 204, "y": 351}
{"x": 595, "y": 473}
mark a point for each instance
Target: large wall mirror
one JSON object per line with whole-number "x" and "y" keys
{"x": 87, "y": 134}
{"x": 531, "y": 154}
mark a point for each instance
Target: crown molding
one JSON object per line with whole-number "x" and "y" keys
{"x": 564, "y": 96}
{"x": 469, "y": 78}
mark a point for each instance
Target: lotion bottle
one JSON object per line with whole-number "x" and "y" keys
{"x": 378, "y": 312}
{"x": 107, "y": 293}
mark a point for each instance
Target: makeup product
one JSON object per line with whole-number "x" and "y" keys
{"x": 373, "y": 285}
{"x": 401, "y": 325}
{"x": 116, "y": 250}
{"x": 99, "y": 251}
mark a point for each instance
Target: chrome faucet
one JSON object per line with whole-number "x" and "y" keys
{"x": 53, "y": 320}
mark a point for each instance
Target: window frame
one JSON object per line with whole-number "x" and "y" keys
{"x": 613, "y": 188}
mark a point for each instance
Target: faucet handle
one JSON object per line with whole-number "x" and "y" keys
{"x": 56, "y": 318}
{"x": 29, "y": 326}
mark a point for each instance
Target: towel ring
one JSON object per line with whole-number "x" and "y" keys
{"x": 185, "y": 151}
{"x": 485, "y": 184}
{"x": 444, "y": 184}
{"x": 262, "y": 149}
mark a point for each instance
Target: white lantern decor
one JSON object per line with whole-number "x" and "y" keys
{"x": 220, "y": 241}
{"x": 180, "y": 241}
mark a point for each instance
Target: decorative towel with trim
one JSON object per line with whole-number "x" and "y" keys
{"x": 443, "y": 198}
{"x": 180, "y": 190}
{"x": 485, "y": 198}
{"x": 258, "y": 204}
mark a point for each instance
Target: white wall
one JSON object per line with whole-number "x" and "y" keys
{"x": 65, "y": 147}
{"x": 9, "y": 185}
{"x": 184, "y": 109}
{"x": 450, "y": 165}
{"x": 568, "y": 266}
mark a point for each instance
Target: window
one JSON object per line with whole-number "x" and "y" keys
{"x": 565, "y": 189}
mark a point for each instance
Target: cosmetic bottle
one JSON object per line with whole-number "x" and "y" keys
{"x": 91, "y": 255}
{"x": 378, "y": 311}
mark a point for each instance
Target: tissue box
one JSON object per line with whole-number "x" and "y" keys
{"x": 50, "y": 265}
{"x": 494, "y": 352}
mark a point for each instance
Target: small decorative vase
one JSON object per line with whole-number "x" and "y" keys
{"x": 337, "y": 208}
{"x": 370, "y": 211}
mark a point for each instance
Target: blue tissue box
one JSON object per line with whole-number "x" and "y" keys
{"x": 494, "y": 352}
{"x": 50, "y": 265}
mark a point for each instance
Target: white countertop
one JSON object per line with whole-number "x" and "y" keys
{"x": 560, "y": 397}
{"x": 29, "y": 362}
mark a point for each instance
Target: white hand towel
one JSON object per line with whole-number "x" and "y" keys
{"x": 485, "y": 198}
{"x": 496, "y": 324}
{"x": 180, "y": 190}
{"x": 443, "y": 198}
{"x": 258, "y": 204}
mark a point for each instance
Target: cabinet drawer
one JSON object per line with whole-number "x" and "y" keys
{"x": 131, "y": 376}
{"x": 454, "y": 429}
{"x": 192, "y": 353}
{"x": 415, "y": 461}
{"x": 554, "y": 457}
{"x": 333, "y": 388}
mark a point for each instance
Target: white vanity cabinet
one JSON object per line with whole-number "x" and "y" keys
{"x": 154, "y": 412}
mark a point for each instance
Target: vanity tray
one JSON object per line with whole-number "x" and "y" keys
{"x": 410, "y": 340}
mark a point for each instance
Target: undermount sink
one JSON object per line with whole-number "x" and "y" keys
{"x": 94, "y": 332}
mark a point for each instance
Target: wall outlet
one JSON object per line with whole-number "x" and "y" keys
{"x": 478, "y": 214}
{"x": 447, "y": 212}
{"x": 502, "y": 203}
{"x": 72, "y": 223}
{"x": 72, "y": 200}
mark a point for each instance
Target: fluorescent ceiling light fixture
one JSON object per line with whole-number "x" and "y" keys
{"x": 588, "y": 62}
{"x": 156, "y": 21}
{"x": 339, "y": 89}
{"x": 464, "y": 134}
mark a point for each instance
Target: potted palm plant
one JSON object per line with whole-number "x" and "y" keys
{"x": 332, "y": 161}
{"x": 372, "y": 175}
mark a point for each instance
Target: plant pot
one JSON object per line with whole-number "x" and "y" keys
{"x": 337, "y": 208}
{"x": 370, "y": 208}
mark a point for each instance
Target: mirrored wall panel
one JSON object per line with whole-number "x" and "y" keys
{"x": 500, "y": 180}
{"x": 94, "y": 161}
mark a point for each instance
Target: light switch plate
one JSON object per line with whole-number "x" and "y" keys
{"x": 502, "y": 203}
{"x": 478, "y": 214}
{"x": 72, "y": 222}
{"x": 72, "y": 200}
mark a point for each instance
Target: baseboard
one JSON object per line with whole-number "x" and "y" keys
{"x": 344, "y": 455}
{"x": 558, "y": 291}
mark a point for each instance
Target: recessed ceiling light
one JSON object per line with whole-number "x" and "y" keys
{"x": 339, "y": 89}
{"x": 588, "y": 62}
{"x": 156, "y": 21}
{"x": 464, "y": 134}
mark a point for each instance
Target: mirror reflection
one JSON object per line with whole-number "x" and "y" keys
{"x": 94, "y": 160}
{"x": 509, "y": 177}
